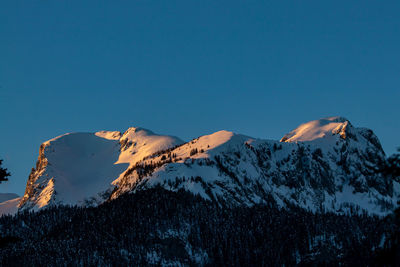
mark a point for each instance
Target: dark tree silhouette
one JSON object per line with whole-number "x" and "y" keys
{"x": 4, "y": 174}
{"x": 124, "y": 231}
{"x": 393, "y": 165}
{"x": 390, "y": 254}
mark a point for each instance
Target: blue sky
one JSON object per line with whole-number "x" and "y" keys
{"x": 190, "y": 68}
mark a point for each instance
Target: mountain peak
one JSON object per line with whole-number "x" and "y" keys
{"x": 336, "y": 171}
{"x": 136, "y": 131}
{"x": 317, "y": 129}
{"x": 75, "y": 167}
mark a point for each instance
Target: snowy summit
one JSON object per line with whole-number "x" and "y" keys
{"x": 323, "y": 128}
{"x": 322, "y": 165}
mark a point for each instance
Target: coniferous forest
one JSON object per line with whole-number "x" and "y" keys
{"x": 160, "y": 227}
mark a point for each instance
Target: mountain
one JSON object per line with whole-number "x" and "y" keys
{"x": 7, "y": 196}
{"x": 322, "y": 165}
{"x": 8, "y": 203}
{"x": 78, "y": 168}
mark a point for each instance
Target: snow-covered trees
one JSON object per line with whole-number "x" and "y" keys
{"x": 161, "y": 227}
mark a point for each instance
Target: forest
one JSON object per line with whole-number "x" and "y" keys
{"x": 161, "y": 227}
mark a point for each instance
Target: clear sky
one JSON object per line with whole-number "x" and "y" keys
{"x": 190, "y": 68}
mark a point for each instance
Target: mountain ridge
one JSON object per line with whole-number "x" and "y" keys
{"x": 326, "y": 164}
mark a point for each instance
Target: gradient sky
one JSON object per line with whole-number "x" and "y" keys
{"x": 190, "y": 68}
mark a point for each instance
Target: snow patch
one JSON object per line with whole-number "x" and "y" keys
{"x": 317, "y": 129}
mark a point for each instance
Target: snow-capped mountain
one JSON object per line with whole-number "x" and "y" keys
{"x": 326, "y": 164}
{"x": 78, "y": 168}
{"x": 8, "y": 203}
{"x": 7, "y": 196}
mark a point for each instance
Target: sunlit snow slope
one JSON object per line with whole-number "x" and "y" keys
{"x": 8, "y": 203}
{"x": 323, "y": 128}
{"x": 323, "y": 165}
{"x": 9, "y": 207}
{"x": 79, "y": 168}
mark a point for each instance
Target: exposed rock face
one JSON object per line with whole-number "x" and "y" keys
{"x": 35, "y": 186}
{"x": 326, "y": 164}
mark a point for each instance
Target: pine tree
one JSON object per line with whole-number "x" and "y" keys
{"x": 3, "y": 173}
{"x": 390, "y": 255}
{"x": 393, "y": 165}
